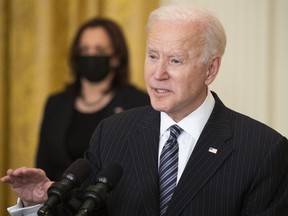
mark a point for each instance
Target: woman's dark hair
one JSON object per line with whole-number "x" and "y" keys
{"x": 119, "y": 46}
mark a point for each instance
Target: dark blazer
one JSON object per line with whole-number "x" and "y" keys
{"x": 52, "y": 155}
{"x": 247, "y": 176}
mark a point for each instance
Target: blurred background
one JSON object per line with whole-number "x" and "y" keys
{"x": 35, "y": 36}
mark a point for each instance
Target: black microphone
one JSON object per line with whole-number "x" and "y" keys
{"x": 95, "y": 195}
{"x": 73, "y": 176}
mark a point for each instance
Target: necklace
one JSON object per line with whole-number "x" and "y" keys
{"x": 92, "y": 103}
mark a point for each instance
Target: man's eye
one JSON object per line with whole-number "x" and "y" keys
{"x": 152, "y": 57}
{"x": 175, "y": 61}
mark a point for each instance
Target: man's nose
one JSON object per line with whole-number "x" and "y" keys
{"x": 161, "y": 70}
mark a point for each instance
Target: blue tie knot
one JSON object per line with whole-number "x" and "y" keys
{"x": 175, "y": 131}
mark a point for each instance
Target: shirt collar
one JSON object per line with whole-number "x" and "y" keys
{"x": 194, "y": 123}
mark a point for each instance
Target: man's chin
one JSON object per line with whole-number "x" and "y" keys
{"x": 158, "y": 107}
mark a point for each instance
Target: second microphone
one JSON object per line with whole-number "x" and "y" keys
{"x": 95, "y": 195}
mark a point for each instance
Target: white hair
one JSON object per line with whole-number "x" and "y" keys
{"x": 213, "y": 36}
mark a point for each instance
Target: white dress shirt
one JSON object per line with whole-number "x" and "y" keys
{"x": 19, "y": 210}
{"x": 192, "y": 126}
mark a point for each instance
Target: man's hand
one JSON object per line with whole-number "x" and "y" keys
{"x": 30, "y": 184}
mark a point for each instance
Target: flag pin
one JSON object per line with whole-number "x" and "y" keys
{"x": 213, "y": 150}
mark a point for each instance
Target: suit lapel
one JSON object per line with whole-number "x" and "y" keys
{"x": 203, "y": 163}
{"x": 145, "y": 158}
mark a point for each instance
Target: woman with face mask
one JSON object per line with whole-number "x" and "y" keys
{"x": 100, "y": 67}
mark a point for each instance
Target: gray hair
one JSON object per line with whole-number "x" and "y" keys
{"x": 213, "y": 36}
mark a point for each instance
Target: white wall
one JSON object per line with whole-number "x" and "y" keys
{"x": 253, "y": 78}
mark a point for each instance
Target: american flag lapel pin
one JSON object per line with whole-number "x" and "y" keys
{"x": 213, "y": 150}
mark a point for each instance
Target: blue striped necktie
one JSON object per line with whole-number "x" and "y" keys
{"x": 168, "y": 168}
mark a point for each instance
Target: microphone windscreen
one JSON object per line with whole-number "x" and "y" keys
{"x": 110, "y": 175}
{"x": 78, "y": 171}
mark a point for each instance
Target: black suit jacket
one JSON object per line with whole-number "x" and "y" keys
{"x": 247, "y": 176}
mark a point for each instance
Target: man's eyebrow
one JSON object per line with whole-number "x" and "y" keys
{"x": 149, "y": 49}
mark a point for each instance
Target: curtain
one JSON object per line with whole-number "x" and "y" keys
{"x": 35, "y": 37}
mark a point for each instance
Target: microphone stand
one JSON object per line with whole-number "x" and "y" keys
{"x": 95, "y": 197}
{"x": 56, "y": 190}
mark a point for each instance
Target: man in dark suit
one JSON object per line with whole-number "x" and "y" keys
{"x": 214, "y": 162}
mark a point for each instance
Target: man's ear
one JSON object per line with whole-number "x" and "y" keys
{"x": 213, "y": 70}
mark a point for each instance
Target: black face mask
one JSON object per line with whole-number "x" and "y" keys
{"x": 93, "y": 68}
